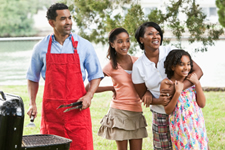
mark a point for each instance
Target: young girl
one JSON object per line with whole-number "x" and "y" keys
{"x": 187, "y": 126}
{"x": 124, "y": 121}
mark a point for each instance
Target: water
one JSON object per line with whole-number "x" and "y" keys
{"x": 14, "y": 61}
{"x": 15, "y": 58}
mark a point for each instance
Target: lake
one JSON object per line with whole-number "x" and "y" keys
{"x": 15, "y": 58}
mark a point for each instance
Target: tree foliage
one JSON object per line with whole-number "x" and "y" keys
{"x": 221, "y": 12}
{"x": 96, "y": 18}
{"x": 16, "y": 17}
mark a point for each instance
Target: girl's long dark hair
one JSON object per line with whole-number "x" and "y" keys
{"x": 174, "y": 58}
{"x": 111, "y": 55}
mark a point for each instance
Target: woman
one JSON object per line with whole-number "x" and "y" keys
{"x": 148, "y": 72}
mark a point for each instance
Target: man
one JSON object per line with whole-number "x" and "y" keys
{"x": 62, "y": 59}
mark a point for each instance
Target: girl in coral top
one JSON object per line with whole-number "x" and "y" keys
{"x": 124, "y": 121}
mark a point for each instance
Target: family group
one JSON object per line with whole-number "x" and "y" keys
{"x": 164, "y": 78}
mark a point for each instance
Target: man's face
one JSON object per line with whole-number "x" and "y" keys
{"x": 62, "y": 24}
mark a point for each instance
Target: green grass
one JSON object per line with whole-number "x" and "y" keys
{"x": 214, "y": 114}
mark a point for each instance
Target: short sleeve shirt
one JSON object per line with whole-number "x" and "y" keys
{"x": 88, "y": 59}
{"x": 145, "y": 71}
{"x": 126, "y": 95}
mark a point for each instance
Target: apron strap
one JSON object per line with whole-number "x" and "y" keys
{"x": 75, "y": 43}
{"x": 49, "y": 44}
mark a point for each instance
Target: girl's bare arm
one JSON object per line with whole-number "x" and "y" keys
{"x": 169, "y": 108}
{"x": 101, "y": 88}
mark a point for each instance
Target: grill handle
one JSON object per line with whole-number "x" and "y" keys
{"x": 3, "y": 95}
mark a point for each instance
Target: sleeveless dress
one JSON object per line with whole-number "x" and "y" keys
{"x": 187, "y": 125}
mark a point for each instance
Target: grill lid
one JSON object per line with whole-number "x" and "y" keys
{"x": 11, "y": 105}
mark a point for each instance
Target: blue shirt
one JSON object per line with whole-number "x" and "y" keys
{"x": 88, "y": 58}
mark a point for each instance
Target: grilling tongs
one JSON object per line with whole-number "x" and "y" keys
{"x": 77, "y": 105}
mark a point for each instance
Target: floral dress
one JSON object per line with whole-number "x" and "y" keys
{"x": 187, "y": 125}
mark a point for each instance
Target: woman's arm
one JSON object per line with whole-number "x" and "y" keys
{"x": 144, "y": 94}
{"x": 198, "y": 71}
{"x": 147, "y": 97}
{"x": 200, "y": 96}
{"x": 140, "y": 89}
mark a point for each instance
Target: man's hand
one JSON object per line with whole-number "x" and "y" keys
{"x": 91, "y": 88}
{"x": 147, "y": 98}
{"x": 32, "y": 111}
{"x": 86, "y": 101}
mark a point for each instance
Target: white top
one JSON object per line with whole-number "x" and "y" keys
{"x": 144, "y": 71}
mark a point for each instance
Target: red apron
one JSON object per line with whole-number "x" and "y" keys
{"x": 64, "y": 85}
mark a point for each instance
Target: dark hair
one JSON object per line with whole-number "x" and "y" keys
{"x": 51, "y": 13}
{"x": 174, "y": 58}
{"x": 141, "y": 31}
{"x": 111, "y": 55}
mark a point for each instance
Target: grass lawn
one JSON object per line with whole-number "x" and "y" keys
{"x": 214, "y": 114}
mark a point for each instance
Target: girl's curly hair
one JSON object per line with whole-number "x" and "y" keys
{"x": 174, "y": 58}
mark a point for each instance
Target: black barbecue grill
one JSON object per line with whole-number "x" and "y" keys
{"x": 11, "y": 129}
{"x": 43, "y": 141}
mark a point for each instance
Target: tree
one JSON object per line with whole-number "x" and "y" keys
{"x": 16, "y": 17}
{"x": 95, "y": 18}
{"x": 221, "y": 12}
